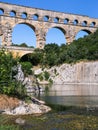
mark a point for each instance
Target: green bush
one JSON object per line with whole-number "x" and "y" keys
{"x": 26, "y": 67}
{"x": 8, "y": 83}
{"x": 46, "y": 75}
{"x": 40, "y": 76}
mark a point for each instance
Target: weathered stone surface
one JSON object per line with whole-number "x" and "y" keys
{"x": 83, "y": 72}
{"x": 13, "y": 106}
{"x": 74, "y": 24}
{"x": 25, "y": 109}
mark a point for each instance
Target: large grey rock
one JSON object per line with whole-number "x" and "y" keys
{"x": 25, "y": 109}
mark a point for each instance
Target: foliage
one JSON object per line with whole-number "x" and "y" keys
{"x": 21, "y": 45}
{"x": 26, "y": 67}
{"x": 46, "y": 75}
{"x": 34, "y": 58}
{"x": 51, "y": 54}
{"x": 9, "y": 127}
{"x": 43, "y": 76}
{"x": 6, "y": 73}
{"x": 82, "y": 49}
{"x": 8, "y": 83}
{"x": 40, "y": 76}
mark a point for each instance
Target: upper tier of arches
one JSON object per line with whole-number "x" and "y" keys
{"x": 46, "y": 15}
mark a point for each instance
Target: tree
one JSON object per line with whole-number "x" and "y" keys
{"x": 6, "y": 73}
{"x": 8, "y": 70}
{"x": 23, "y": 45}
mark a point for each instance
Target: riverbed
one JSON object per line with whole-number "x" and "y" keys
{"x": 71, "y": 118}
{"x": 69, "y": 112}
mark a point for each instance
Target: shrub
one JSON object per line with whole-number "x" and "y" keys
{"x": 26, "y": 67}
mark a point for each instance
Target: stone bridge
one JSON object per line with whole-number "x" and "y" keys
{"x": 18, "y": 51}
{"x": 41, "y": 21}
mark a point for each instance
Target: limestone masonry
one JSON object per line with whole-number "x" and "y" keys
{"x": 41, "y": 21}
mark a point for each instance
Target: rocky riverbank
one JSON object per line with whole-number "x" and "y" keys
{"x": 14, "y": 106}
{"x": 82, "y": 72}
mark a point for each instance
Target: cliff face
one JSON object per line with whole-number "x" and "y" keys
{"x": 83, "y": 72}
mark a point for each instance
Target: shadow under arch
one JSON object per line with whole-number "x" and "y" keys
{"x": 82, "y": 33}
{"x": 22, "y": 32}
{"x": 31, "y": 58}
{"x": 56, "y": 35}
{"x": 25, "y": 57}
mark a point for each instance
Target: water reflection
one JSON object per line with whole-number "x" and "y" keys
{"x": 72, "y": 95}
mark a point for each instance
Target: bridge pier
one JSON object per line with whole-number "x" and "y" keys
{"x": 41, "y": 38}
{"x": 70, "y": 35}
{"x": 6, "y": 35}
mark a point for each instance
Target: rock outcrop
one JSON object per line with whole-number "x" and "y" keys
{"x": 13, "y": 106}
{"x": 83, "y": 72}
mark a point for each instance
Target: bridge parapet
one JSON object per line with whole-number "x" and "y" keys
{"x": 18, "y": 48}
{"x": 18, "y": 51}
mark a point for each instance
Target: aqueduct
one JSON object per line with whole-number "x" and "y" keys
{"x": 41, "y": 21}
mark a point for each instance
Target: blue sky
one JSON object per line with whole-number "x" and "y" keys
{"x": 82, "y": 7}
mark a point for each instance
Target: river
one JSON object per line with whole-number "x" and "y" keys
{"x": 72, "y": 95}
{"x": 76, "y": 118}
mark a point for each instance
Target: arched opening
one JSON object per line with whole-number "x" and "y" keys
{"x": 75, "y": 22}
{"x": 56, "y": 35}
{"x": 56, "y": 20}
{"x": 1, "y": 12}
{"x": 93, "y": 24}
{"x": 23, "y": 35}
{"x": 24, "y": 15}
{"x": 13, "y": 13}
{"x": 82, "y": 33}
{"x": 35, "y": 17}
{"x": 32, "y": 58}
{"x": 26, "y": 57}
{"x": 46, "y": 18}
{"x": 84, "y": 23}
{"x": 66, "y": 21}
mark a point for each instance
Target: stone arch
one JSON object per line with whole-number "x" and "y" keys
{"x": 60, "y": 29}
{"x": 84, "y": 23}
{"x": 35, "y": 16}
{"x": 24, "y": 15}
{"x": 75, "y": 22}
{"x": 85, "y": 32}
{"x": 1, "y": 11}
{"x": 23, "y": 54}
{"x": 33, "y": 28}
{"x": 66, "y": 21}
{"x": 93, "y": 24}
{"x": 46, "y": 18}
{"x": 13, "y": 13}
{"x": 56, "y": 20}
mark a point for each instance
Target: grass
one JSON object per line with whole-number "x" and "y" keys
{"x": 9, "y": 127}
